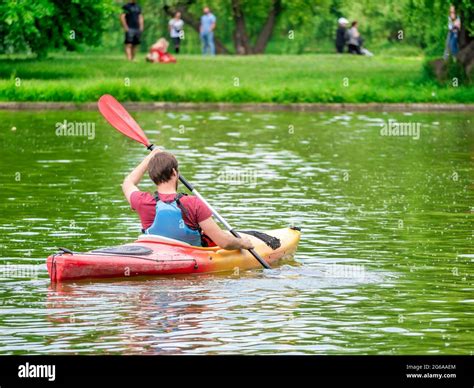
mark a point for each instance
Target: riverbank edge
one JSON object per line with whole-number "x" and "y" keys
{"x": 272, "y": 107}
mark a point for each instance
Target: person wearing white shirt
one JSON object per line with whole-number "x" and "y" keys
{"x": 175, "y": 27}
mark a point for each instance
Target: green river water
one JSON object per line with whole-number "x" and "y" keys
{"x": 385, "y": 263}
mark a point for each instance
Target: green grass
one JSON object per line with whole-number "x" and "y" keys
{"x": 268, "y": 78}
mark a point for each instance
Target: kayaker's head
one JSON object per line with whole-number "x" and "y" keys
{"x": 163, "y": 169}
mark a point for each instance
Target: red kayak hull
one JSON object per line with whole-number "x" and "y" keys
{"x": 168, "y": 259}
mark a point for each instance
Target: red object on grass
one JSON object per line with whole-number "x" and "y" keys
{"x": 163, "y": 57}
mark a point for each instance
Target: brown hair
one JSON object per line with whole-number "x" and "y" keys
{"x": 161, "y": 167}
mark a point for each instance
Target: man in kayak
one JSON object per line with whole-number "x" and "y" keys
{"x": 171, "y": 214}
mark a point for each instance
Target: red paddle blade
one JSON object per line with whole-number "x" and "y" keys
{"x": 120, "y": 119}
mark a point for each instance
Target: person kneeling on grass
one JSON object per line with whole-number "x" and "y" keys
{"x": 159, "y": 53}
{"x": 171, "y": 214}
{"x": 356, "y": 42}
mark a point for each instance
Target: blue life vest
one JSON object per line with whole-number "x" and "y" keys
{"x": 169, "y": 222}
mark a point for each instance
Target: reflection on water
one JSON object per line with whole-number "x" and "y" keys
{"x": 384, "y": 265}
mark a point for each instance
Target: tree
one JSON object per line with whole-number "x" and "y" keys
{"x": 267, "y": 29}
{"x": 241, "y": 40}
{"x": 40, "y": 25}
{"x": 466, "y": 39}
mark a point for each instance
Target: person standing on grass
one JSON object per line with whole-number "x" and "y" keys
{"x": 206, "y": 30}
{"x": 341, "y": 35}
{"x": 133, "y": 24}
{"x": 454, "y": 26}
{"x": 175, "y": 27}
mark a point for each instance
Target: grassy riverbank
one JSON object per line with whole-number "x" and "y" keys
{"x": 269, "y": 78}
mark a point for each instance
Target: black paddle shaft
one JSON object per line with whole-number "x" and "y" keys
{"x": 223, "y": 221}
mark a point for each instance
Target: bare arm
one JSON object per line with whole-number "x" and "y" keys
{"x": 223, "y": 239}
{"x": 141, "y": 21}
{"x": 124, "y": 22}
{"x": 130, "y": 183}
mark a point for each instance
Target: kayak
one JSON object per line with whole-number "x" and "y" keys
{"x": 153, "y": 255}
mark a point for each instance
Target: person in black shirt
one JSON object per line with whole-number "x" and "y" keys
{"x": 132, "y": 23}
{"x": 341, "y": 35}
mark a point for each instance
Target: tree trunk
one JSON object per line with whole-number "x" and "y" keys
{"x": 267, "y": 30}
{"x": 193, "y": 22}
{"x": 241, "y": 41}
{"x": 466, "y": 49}
{"x": 466, "y": 59}
{"x": 464, "y": 37}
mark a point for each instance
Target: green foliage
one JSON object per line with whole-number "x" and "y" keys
{"x": 427, "y": 24}
{"x": 40, "y": 25}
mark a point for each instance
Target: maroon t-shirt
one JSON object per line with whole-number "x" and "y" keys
{"x": 145, "y": 205}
